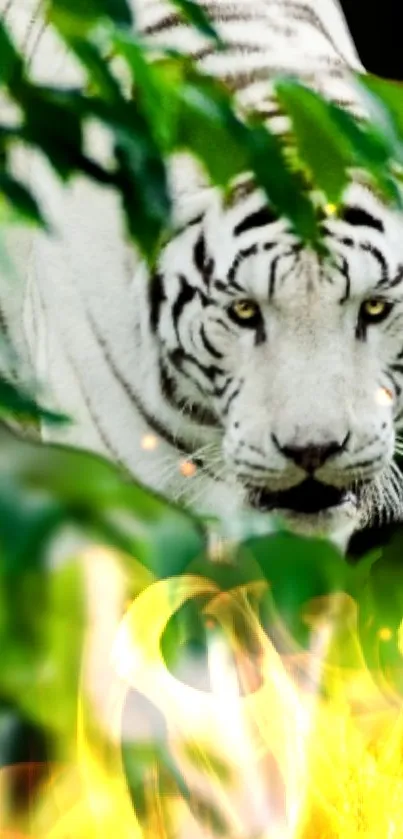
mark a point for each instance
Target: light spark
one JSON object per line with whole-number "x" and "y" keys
{"x": 187, "y": 468}
{"x": 384, "y": 396}
{"x": 149, "y": 442}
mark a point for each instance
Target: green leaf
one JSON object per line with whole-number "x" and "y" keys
{"x": 371, "y": 150}
{"x": 53, "y": 123}
{"x": 385, "y": 101}
{"x": 298, "y": 570}
{"x": 22, "y": 200}
{"x": 369, "y": 147}
{"x": 381, "y": 615}
{"x": 139, "y": 173}
{"x": 42, "y": 636}
{"x": 284, "y": 187}
{"x": 156, "y": 85}
{"x": 27, "y": 519}
{"x": 17, "y": 737}
{"x": 16, "y": 402}
{"x": 331, "y": 142}
{"x": 142, "y": 181}
{"x": 196, "y": 15}
{"x": 99, "y": 74}
{"x": 209, "y": 129}
{"x": 11, "y": 64}
{"x": 44, "y": 491}
{"x": 96, "y": 496}
{"x": 323, "y": 148}
{"x": 70, "y": 16}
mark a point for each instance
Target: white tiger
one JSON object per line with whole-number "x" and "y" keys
{"x": 247, "y": 374}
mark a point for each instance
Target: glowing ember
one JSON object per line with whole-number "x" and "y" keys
{"x": 384, "y": 396}
{"x": 187, "y": 468}
{"x": 149, "y": 442}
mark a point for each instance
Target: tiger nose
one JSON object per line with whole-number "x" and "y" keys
{"x": 311, "y": 457}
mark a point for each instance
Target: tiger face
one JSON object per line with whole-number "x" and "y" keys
{"x": 294, "y": 361}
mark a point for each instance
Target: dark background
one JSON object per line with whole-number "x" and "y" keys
{"x": 378, "y": 34}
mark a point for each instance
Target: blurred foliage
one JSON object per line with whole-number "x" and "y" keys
{"x": 47, "y": 492}
{"x": 171, "y": 106}
{"x": 16, "y": 403}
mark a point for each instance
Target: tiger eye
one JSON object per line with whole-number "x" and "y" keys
{"x": 244, "y": 311}
{"x": 375, "y": 310}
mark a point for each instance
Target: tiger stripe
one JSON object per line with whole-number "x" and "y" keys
{"x": 130, "y": 354}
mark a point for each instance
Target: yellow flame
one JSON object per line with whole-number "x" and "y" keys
{"x": 314, "y": 749}
{"x": 338, "y": 750}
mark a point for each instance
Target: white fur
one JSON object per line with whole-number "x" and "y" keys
{"x": 309, "y": 381}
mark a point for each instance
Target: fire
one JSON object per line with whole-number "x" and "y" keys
{"x": 313, "y": 747}
{"x": 333, "y": 738}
